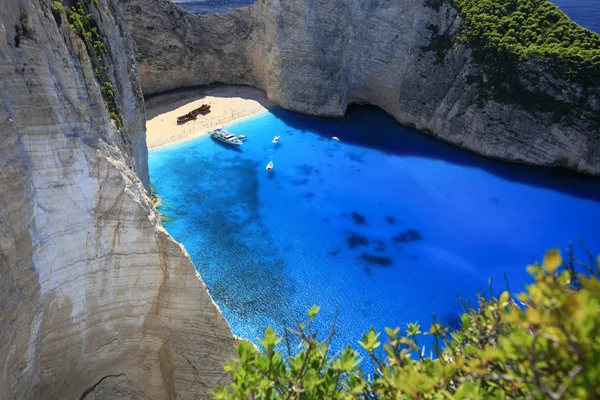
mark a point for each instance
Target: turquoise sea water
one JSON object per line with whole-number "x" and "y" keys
{"x": 385, "y": 227}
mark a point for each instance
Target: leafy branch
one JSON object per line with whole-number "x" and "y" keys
{"x": 540, "y": 344}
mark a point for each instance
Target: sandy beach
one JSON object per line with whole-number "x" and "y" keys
{"x": 228, "y": 104}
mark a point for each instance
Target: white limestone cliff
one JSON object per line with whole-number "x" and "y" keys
{"x": 97, "y": 301}
{"x": 318, "y": 56}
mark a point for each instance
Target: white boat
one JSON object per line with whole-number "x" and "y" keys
{"x": 276, "y": 139}
{"x": 337, "y": 139}
{"x": 242, "y": 136}
{"x": 269, "y": 166}
{"x": 225, "y": 136}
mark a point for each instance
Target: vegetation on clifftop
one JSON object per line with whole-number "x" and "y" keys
{"x": 530, "y": 29}
{"x": 542, "y": 344}
{"x": 505, "y": 34}
{"x": 83, "y": 25}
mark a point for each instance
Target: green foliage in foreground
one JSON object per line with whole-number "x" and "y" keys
{"x": 545, "y": 344}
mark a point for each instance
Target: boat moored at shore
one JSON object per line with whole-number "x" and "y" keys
{"x": 225, "y": 136}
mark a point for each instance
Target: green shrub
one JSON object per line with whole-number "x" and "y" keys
{"x": 57, "y": 9}
{"x": 84, "y": 26}
{"x": 542, "y": 344}
{"x": 504, "y": 34}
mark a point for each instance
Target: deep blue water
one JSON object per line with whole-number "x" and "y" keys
{"x": 584, "y": 12}
{"x": 209, "y": 6}
{"x": 384, "y": 227}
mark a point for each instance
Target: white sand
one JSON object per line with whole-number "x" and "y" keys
{"x": 228, "y": 104}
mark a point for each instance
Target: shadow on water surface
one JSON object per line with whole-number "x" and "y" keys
{"x": 380, "y": 131}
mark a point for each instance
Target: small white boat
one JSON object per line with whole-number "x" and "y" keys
{"x": 276, "y": 139}
{"x": 269, "y": 166}
{"x": 242, "y": 136}
{"x": 337, "y": 139}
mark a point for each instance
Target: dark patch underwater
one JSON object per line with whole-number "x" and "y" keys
{"x": 355, "y": 240}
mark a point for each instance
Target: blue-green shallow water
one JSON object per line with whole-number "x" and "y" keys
{"x": 386, "y": 226}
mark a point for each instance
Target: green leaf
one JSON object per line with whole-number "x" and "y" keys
{"x": 312, "y": 313}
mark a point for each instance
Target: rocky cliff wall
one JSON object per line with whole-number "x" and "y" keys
{"x": 96, "y": 299}
{"x": 317, "y": 56}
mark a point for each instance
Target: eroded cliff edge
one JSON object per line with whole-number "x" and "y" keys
{"x": 318, "y": 56}
{"x": 96, "y": 299}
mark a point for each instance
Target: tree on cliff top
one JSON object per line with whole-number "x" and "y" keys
{"x": 541, "y": 344}
{"x": 518, "y": 45}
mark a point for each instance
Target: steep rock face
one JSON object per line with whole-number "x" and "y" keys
{"x": 317, "y": 56}
{"x": 96, "y": 299}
